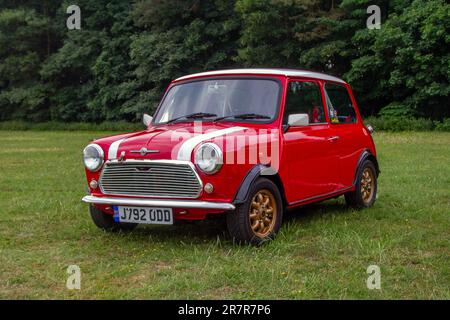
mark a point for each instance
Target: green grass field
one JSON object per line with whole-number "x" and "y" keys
{"x": 323, "y": 250}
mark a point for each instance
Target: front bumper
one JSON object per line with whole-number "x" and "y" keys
{"x": 140, "y": 202}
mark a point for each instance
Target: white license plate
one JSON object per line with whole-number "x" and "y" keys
{"x": 144, "y": 215}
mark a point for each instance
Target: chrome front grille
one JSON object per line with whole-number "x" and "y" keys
{"x": 162, "y": 179}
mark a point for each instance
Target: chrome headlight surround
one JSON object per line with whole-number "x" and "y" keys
{"x": 209, "y": 158}
{"x": 93, "y": 157}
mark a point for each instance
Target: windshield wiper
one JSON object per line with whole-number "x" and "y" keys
{"x": 197, "y": 115}
{"x": 243, "y": 116}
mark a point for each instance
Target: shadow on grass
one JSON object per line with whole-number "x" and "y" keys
{"x": 315, "y": 211}
{"x": 215, "y": 230}
{"x": 196, "y": 232}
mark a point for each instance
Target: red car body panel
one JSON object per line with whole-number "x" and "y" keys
{"x": 312, "y": 166}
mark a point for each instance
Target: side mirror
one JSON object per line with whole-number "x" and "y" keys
{"x": 147, "y": 119}
{"x": 370, "y": 129}
{"x": 298, "y": 120}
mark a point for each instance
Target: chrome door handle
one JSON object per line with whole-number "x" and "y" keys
{"x": 333, "y": 139}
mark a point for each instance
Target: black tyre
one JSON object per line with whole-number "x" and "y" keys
{"x": 365, "y": 192}
{"x": 259, "y": 218}
{"x": 106, "y": 221}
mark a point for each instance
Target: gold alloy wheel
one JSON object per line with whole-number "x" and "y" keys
{"x": 367, "y": 185}
{"x": 263, "y": 213}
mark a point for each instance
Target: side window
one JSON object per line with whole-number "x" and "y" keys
{"x": 340, "y": 107}
{"x": 304, "y": 97}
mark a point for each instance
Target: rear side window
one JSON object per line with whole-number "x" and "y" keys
{"x": 304, "y": 97}
{"x": 340, "y": 106}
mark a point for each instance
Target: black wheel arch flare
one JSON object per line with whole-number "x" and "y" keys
{"x": 257, "y": 171}
{"x": 366, "y": 155}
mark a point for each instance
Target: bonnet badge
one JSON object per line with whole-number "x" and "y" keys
{"x": 144, "y": 151}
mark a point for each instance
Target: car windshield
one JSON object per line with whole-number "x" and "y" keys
{"x": 221, "y": 99}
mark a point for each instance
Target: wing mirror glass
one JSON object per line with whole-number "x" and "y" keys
{"x": 298, "y": 120}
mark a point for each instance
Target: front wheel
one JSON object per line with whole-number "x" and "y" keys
{"x": 365, "y": 192}
{"x": 106, "y": 221}
{"x": 259, "y": 218}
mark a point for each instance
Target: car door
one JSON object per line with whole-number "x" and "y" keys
{"x": 344, "y": 126}
{"x": 308, "y": 152}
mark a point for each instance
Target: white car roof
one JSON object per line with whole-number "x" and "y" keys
{"x": 282, "y": 72}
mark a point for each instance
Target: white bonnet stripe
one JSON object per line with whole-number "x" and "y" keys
{"x": 186, "y": 148}
{"x": 112, "y": 153}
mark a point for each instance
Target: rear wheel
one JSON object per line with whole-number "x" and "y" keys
{"x": 365, "y": 192}
{"x": 106, "y": 221}
{"x": 259, "y": 218}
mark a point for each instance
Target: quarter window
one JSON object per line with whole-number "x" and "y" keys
{"x": 304, "y": 97}
{"x": 340, "y": 106}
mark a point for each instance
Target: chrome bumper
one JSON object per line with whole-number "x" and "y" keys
{"x": 139, "y": 202}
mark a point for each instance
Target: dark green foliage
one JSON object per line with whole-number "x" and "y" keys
{"x": 25, "y": 43}
{"x": 410, "y": 61}
{"x": 407, "y": 124}
{"x": 179, "y": 37}
{"x": 72, "y": 126}
{"x": 444, "y": 125}
{"x": 126, "y": 53}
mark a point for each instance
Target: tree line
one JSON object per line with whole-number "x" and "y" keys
{"x": 119, "y": 63}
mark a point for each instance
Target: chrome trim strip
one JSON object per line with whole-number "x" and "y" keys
{"x": 139, "y": 202}
{"x": 320, "y": 196}
{"x": 144, "y": 151}
{"x": 185, "y": 151}
{"x": 138, "y": 161}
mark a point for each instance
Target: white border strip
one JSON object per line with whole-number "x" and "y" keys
{"x": 186, "y": 148}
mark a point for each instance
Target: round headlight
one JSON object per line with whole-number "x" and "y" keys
{"x": 209, "y": 158}
{"x": 93, "y": 157}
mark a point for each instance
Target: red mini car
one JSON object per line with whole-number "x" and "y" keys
{"x": 247, "y": 143}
